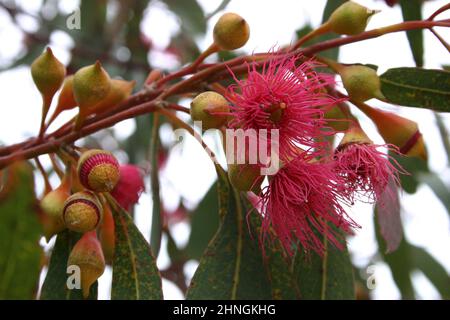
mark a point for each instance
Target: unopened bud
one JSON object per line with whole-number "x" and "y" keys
{"x": 91, "y": 84}
{"x": 82, "y": 211}
{"x": 245, "y": 177}
{"x": 211, "y": 109}
{"x": 231, "y": 32}
{"x": 88, "y": 256}
{"x": 98, "y": 170}
{"x": 362, "y": 83}
{"x": 350, "y": 18}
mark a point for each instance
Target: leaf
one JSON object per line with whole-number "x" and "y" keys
{"x": 432, "y": 270}
{"x": 190, "y": 13}
{"x": 388, "y": 215}
{"x": 414, "y": 166}
{"x": 400, "y": 263}
{"x": 20, "y": 253}
{"x": 204, "y": 224}
{"x": 135, "y": 275}
{"x": 55, "y": 284}
{"x": 326, "y": 278}
{"x": 412, "y": 10}
{"x": 415, "y": 87}
{"x": 438, "y": 186}
{"x": 232, "y": 265}
{"x": 221, "y": 7}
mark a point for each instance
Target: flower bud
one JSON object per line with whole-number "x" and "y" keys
{"x": 399, "y": 131}
{"x": 106, "y": 234}
{"x": 231, "y": 32}
{"x": 88, "y": 256}
{"x": 245, "y": 177}
{"x": 210, "y": 108}
{"x": 48, "y": 74}
{"x": 350, "y": 18}
{"x": 82, "y": 211}
{"x": 91, "y": 85}
{"x": 354, "y": 134}
{"x": 362, "y": 83}
{"x": 120, "y": 90}
{"x": 53, "y": 202}
{"x": 98, "y": 170}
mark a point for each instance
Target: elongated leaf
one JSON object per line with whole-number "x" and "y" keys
{"x": 190, "y": 13}
{"x": 432, "y": 270}
{"x": 232, "y": 265}
{"x": 326, "y": 278}
{"x": 19, "y": 235}
{"x": 400, "y": 263}
{"x": 414, "y": 166}
{"x": 412, "y": 10}
{"x": 221, "y": 7}
{"x": 135, "y": 275}
{"x": 438, "y": 186}
{"x": 55, "y": 284}
{"x": 278, "y": 267}
{"x": 415, "y": 87}
{"x": 204, "y": 224}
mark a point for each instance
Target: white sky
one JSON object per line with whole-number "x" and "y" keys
{"x": 272, "y": 23}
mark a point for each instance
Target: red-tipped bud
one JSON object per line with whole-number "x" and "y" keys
{"x": 98, "y": 170}
{"x": 88, "y": 256}
{"x": 130, "y": 186}
{"x": 399, "y": 131}
{"x": 210, "y": 108}
{"x": 82, "y": 211}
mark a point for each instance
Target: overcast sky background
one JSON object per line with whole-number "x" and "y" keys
{"x": 272, "y": 23}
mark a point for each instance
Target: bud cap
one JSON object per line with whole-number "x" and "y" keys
{"x": 82, "y": 211}
{"x": 98, "y": 170}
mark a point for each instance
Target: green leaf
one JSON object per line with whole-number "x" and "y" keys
{"x": 191, "y": 15}
{"x": 414, "y": 166}
{"x": 20, "y": 253}
{"x": 204, "y": 224}
{"x": 221, "y": 7}
{"x": 55, "y": 284}
{"x": 135, "y": 275}
{"x": 412, "y": 10}
{"x": 232, "y": 265}
{"x": 415, "y": 87}
{"x": 438, "y": 186}
{"x": 400, "y": 263}
{"x": 326, "y": 278}
{"x": 432, "y": 270}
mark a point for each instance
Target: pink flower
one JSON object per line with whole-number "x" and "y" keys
{"x": 284, "y": 95}
{"x": 366, "y": 171}
{"x": 301, "y": 203}
{"x": 129, "y": 187}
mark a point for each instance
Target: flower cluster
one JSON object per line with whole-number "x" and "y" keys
{"x": 304, "y": 201}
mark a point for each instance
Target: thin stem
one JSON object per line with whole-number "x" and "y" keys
{"x": 322, "y": 29}
{"x": 156, "y": 231}
{"x": 47, "y": 185}
{"x": 55, "y": 165}
{"x": 443, "y": 42}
